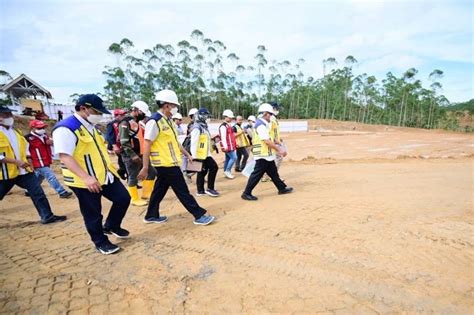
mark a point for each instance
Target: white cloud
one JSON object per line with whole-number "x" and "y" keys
{"x": 63, "y": 45}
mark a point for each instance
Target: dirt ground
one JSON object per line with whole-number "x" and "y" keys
{"x": 381, "y": 221}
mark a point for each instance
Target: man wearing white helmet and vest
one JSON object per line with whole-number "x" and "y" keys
{"x": 89, "y": 172}
{"x": 228, "y": 143}
{"x": 264, "y": 151}
{"x": 249, "y": 129}
{"x": 164, "y": 150}
{"x": 178, "y": 120}
{"x": 276, "y": 137}
{"x": 131, "y": 152}
{"x": 191, "y": 114}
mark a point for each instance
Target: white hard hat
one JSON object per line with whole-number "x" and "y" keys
{"x": 265, "y": 107}
{"x": 192, "y": 111}
{"x": 141, "y": 105}
{"x": 251, "y": 118}
{"x": 228, "y": 113}
{"x": 167, "y": 96}
{"x": 177, "y": 116}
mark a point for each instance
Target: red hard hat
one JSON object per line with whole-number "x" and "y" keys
{"x": 38, "y": 124}
{"x": 119, "y": 111}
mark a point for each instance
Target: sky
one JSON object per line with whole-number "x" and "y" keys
{"x": 63, "y": 45}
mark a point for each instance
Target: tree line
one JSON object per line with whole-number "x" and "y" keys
{"x": 205, "y": 74}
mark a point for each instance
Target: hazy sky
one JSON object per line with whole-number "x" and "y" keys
{"x": 63, "y": 44}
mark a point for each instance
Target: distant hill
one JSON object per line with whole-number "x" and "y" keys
{"x": 469, "y": 106}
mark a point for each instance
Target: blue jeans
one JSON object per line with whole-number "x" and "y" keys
{"x": 48, "y": 174}
{"x": 230, "y": 158}
{"x": 30, "y": 183}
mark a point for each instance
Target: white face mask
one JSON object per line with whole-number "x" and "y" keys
{"x": 40, "y": 132}
{"x": 7, "y": 121}
{"x": 208, "y": 121}
{"x": 276, "y": 112}
{"x": 174, "y": 110}
{"x": 94, "y": 119}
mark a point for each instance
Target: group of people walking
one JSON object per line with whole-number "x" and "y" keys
{"x": 153, "y": 150}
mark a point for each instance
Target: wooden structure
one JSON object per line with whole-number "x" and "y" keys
{"x": 24, "y": 89}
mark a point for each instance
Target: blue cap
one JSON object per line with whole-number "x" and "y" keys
{"x": 4, "y": 109}
{"x": 275, "y": 105}
{"x": 203, "y": 111}
{"x": 93, "y": 101}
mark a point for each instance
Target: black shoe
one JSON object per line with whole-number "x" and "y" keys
{"x": 117, "y": 232}
{"x": 248, "y": 197}
{"x": 65, "y": 195}
{"x": 27, "y": 194}
{"x": 54, "y": 218}
{"x": 287, "y": 190}
{"x": 107, "y": 248}
{"x": 238, "y": 170}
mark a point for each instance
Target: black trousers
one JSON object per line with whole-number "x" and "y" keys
{"x": 167, "y": 177}
{"x": 32, "y": 184}
{"x": 263, "y": 166}
{"x": 91, "y": 208}
{"x": 208, "y": 166}
{"x": 122, "y": 170}
{"x": 242, "y": 157}
{"x": 133, "y": 168}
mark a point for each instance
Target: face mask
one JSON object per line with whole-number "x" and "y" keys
{"x": 174, "y": 110}
{"x": 140, "y": 116}
{"x": 276, "y": 112}
{"x": 40, "y": 132}
{"x": 8, "y": 121}
{"x": 208, "y": 121}
{"x": 94, "y": 119}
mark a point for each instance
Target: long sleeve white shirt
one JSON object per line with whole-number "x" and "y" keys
{"x": 223, "y": 134}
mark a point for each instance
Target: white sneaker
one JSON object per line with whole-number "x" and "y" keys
{"x": 228, "y": 175}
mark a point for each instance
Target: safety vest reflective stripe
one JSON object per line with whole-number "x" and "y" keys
{"x": 242, "y": 139}
{"x": 275, "y": 131}
{"x": 90, "y": 153}
{"x": 165, "y": 151}
{"x": 259, "y": 147}
{"x": 203, "y": 146}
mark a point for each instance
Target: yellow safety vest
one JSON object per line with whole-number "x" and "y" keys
{"x": 203, "y": 146}
{"x": 259, "y": 147}
{"x": 90, "y": 153}
{"x": 242, "y": 139}
{"x": 275, "y": 131}
{"x": 10, "y": 170}
{"x": 164, "y": 151}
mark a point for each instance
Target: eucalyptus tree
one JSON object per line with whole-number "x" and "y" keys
{"x": 204, "y": 73}
{"x": 435, "y": 86}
